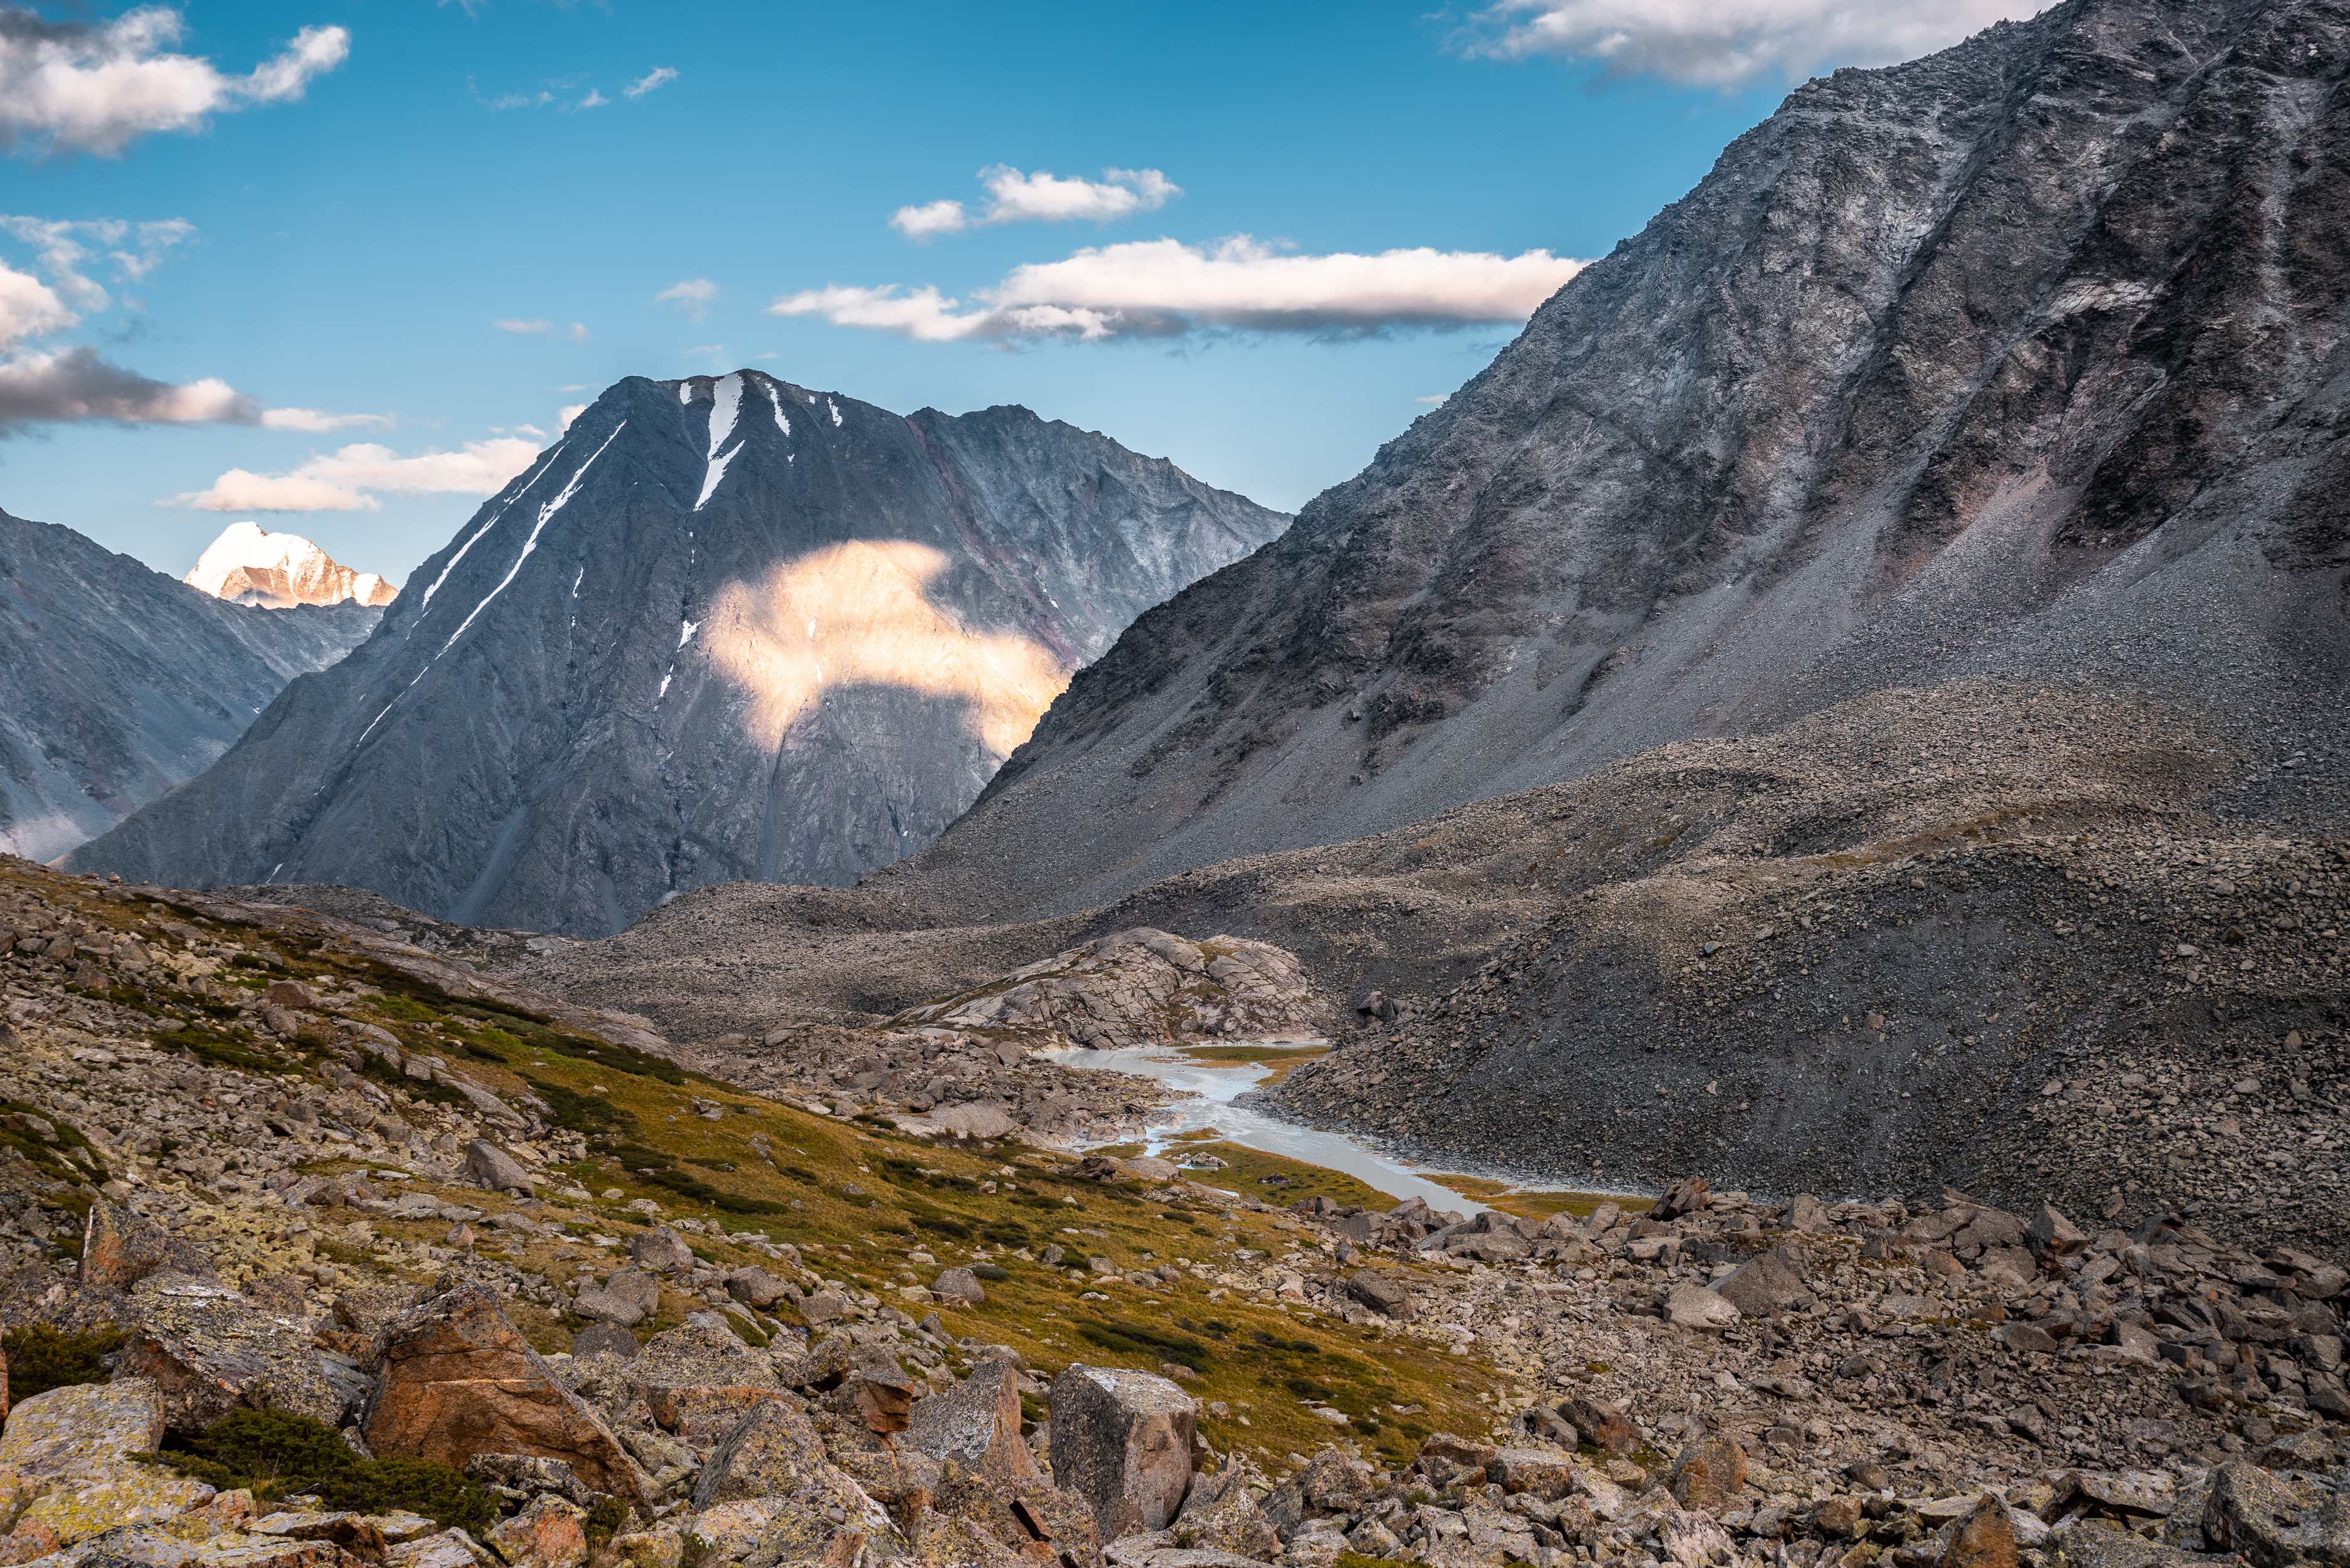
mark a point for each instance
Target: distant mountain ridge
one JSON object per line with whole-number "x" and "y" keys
{"x": 727, "y": 628}
{"x": 280, "y": 570}
{"x": 117, "y": 683}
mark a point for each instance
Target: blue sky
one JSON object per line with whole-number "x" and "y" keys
{"x": 343, "y": 232}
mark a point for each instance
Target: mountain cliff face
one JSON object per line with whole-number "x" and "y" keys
{"x": 725, "y": 629}
{"x": 280, "y": 570}
{"x": 117, "y": 682}
{"x": 2023, "y": 359}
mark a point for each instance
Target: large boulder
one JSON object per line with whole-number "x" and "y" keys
{"x": 627, "y": 1299}
{"x": 661, "y": 1249}
{"x": 1763, "y": 1287}
{"x": 1221, "y": 1514}
{"x": 120, "y": 1247}
{"x": 1707, "y": 1473}
{"x": 209, "y": 1351}
{"x": 496, "y": 1169}
{"x": 976, "y": 1423}
{"x": 1122, "y": 1441}
{"x": 458, "y": 1379}
{"x": 2273, "y": 1521}
{"x": 774, "y": 1455}
{"x": 1985, "y": 1536}
{"x": 757, "y": 1288}
{"x": 1384, "y": 1294}
{"x": 975, "y": 1520}
{"x": 1331, "y": 1484}
{"x": 1600, "y": 1427}
{"x": 548, "y": 1532}
{"x": 69, "y": 1444}
{"x": 1692, "y": 1306}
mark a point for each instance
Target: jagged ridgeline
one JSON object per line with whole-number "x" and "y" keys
{"x": 726, "y": 628}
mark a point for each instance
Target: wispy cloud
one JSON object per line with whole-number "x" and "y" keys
{"x": 594, "y": 99}
{"x": 75, "y": 385}
{"x": 1728, "y": 43}
{"x": 692, "y": 296}
{"x": 349, "y": 479}
{"x": 62, "y": 249}
{"x": 1041, "y": 198}
{"x": 652, "y": 82}
{"x": 1163, "y": 288}
{"x": 317, "y": 422}
{"x": 73, "y": 87}
{"x": 532, "y": 326}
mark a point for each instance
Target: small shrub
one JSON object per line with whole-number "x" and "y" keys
{"x": 604, "y": 1520}
{"x": 41, "y": 1357}
{"x": 993, "y": 1273}
{"x": 278, "y": 1455}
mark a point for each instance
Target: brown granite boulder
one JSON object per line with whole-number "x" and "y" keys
{"x": 458, "y": 1379}
{"x": 1707, "y": 1473}
{"x": 120, "y": 1247}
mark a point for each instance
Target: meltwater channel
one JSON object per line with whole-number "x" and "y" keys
{"x": 1211, "y": 1089}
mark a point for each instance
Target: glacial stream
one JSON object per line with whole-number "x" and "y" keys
{"x": 1214, "y": 1085}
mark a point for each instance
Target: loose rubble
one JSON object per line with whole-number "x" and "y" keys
{"x": 376, "y": 1210}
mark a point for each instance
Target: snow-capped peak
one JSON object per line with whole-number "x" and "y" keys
{"x": 280, "y": 570}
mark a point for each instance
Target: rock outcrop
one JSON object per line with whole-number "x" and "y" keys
{"x": 1141, "y": 987}
{"x": 118, "y": 684}
{"x": 726, "y": 628}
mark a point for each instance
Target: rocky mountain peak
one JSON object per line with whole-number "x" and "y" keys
{"x": 726, "y": 628}
{"x": 248, "y": 566}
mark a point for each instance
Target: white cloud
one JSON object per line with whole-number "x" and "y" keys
{"x": 692, "y": 296}
{"x": 595, "y": 99}
{"x": 931, "y": 219}
{"x": 29, "y": 308}
{"x": 1042, "y": 198}
{"x": 1166, "y": 288}
{"x": 97, "y": 87}
{"x": 578, "y": 332}
{"x": 570, "y": 412}
{"x": 652, "y": 82}
{"x": 1726, "y": 43}
{"x": 316, "y": 423}
{"x": 342, "y": 481}
{"x": 74, "y": 385}
{"x": 1435, "y": 400}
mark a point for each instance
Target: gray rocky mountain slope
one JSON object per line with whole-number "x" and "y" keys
{"x": 2025, "y": 359}
{"x": 117, "y": 683}
{"x": 727, "y": 628}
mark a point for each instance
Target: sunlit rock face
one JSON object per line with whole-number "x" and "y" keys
{"x": 277, "y": 571}
{"x": 727, "y": 628}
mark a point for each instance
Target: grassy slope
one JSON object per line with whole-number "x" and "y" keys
{"x": 856, "y": 1201}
